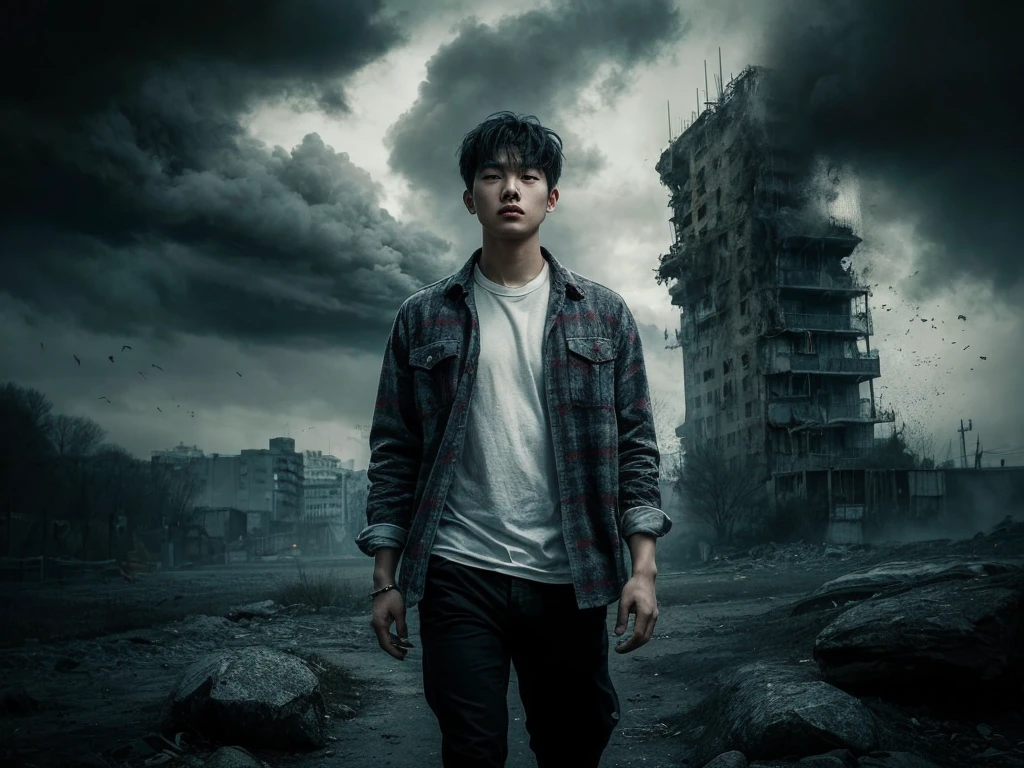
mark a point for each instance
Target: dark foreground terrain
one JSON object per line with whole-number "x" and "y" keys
{"x": 96, "y": 700}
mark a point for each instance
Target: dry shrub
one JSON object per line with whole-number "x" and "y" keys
{"x": 322, "y": 589}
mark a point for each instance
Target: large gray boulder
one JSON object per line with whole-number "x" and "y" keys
{"x": 255, "y": 696}
{"x": 899, "y": 575}
{"x": 952, "y": 638}
{"x": 769, "y": 712}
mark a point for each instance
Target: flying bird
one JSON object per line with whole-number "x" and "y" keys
{"x": 238, "y": 373}
{"x": 110, "y": 358}
{"x": 961, "y": 317}
{"x": 76, "y": 359}
{"x": 104, "y": 398}
{"x": 983, "y": 357}
{"x": 154, "y": 365}
{"x": 125, "y": 347}
{"x": 158, "y": 408}
{"x": 142, "y": 374}
{"x": 41, "y": 346}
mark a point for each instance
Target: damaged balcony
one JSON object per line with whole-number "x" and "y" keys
{"x": 806, "y": 415}
{"x": 844, "y": 458}
{"x": 799, "y": 322}
{"x": 820, "y": 280}
{"x": 861, "y": 364}
{"x": 704, "y": 310}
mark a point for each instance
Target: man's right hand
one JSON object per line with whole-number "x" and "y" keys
{"x": 389, "y": 607}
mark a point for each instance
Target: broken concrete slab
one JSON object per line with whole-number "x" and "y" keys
{"x": 254, "y": 696}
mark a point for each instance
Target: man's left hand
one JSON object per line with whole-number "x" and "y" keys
{"x": 638, "y": 598}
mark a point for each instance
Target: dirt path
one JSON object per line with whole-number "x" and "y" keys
{"x": 105, "y": 693}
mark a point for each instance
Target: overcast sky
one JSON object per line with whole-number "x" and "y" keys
{"x": 244, "y": 196}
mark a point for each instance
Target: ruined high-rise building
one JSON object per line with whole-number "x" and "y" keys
{"x": 775, "y": 329}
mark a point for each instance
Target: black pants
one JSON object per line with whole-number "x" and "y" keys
{"x": 473, "y": 622}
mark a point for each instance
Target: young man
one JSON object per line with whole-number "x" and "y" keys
{"x": 512, "y": 452}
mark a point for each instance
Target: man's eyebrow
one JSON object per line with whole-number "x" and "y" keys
{"x": 495, "y": 165}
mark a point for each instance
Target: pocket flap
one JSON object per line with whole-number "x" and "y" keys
{"x": 428, "y": 355}
{"x": 594, "y": 349}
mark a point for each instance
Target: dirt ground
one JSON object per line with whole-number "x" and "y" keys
{"x": 97, "y": 697}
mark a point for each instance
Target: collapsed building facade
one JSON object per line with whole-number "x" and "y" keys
{"x": 775, "y": 328}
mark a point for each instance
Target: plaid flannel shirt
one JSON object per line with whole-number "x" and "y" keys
{"x": 606, "y": 453}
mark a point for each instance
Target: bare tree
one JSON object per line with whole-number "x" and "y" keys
{"x": 718, "y": 490}
{"x": 75, "y": 435}
{"x": 178, "y": 485}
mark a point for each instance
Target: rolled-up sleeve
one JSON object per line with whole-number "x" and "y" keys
{"x": 645, "y": 520}
{"x": 639, "y": 459}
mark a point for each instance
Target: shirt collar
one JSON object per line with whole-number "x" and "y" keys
{"x": 562, "y": 280}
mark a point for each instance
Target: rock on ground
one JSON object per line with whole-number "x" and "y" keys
{"x": 769, "y": 711}
{"x": 231, "y": 757}
{"x": 942, "y": 640}
{"x": 254, "y": 696}
{"x": 731, "y": 759}
{"x": 867, "y": 582}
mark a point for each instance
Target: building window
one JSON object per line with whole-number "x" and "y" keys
{"x": 746, "y": 383}
{"x": 731, "y": 439}
{"x": 702, "y": 212}
{"x": 743, "y": 307}
{"x": 748, "y": 410}
{"x": 709, "y": 374}
{"x": 726, "y": 365}
{"x": 745, "y": 361}
{"x": 727, "y": 390}
{"x": 718, "y": 196}
{"x": 709, "y": 396}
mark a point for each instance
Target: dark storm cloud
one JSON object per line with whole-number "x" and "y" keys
{"x": 924, "y": 99}
{"x": 134, "y": 198}
{"x": 535, "y": 63}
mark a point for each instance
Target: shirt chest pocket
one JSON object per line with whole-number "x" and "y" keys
{"x": 435, "y": 374}
{"x": 591, "y": 371}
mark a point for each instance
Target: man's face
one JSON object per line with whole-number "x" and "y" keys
{"x": 497, "y": 186}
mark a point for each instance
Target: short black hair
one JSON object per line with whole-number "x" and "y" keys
{"x": 525, "y": 141}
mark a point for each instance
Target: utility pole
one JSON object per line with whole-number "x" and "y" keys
{"x": 963, "y": 443}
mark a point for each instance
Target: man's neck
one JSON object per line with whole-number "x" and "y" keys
{"x": 511, "y": 263}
